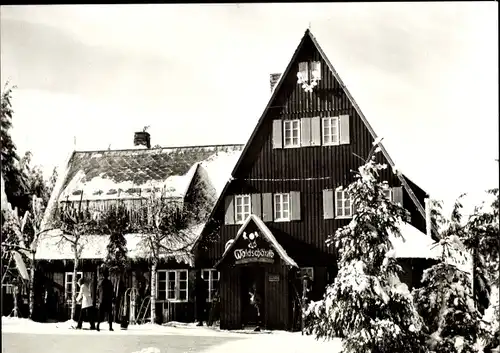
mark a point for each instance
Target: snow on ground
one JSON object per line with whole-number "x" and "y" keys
{"x": 279, "y": 341}
{"x": 21, "y": 325}
{"x": 266, "y": 341}
{"x": 18, "y": 325}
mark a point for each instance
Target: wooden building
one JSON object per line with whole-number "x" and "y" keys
{"x": 96, "y": 179}
{"x": 287, "y": 195}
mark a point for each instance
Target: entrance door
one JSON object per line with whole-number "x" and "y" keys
{"x": 252, "y": 281}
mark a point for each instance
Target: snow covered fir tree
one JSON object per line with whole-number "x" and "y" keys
{"x": 445, "y": 300}
{"x": 367, "y": 306}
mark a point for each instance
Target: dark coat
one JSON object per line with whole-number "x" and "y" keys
{"x": 106, "y": 292}
{"x": 201, "y": 291}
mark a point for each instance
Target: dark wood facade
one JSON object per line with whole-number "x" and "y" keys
{"x": 52, "y": 303}
{"x": 264, "y": 169}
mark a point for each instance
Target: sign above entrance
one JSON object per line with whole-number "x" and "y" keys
{"x": 253, "y": 255}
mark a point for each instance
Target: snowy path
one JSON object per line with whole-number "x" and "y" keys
{"x": 83, "y": 343}
{"x": 24, "y": 336}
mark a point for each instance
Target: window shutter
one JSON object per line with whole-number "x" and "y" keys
{"x": 397, "y": 195}
{"x": 256, "y": 205}
{"x": 316, "y": 131}
{"x": 277, "y": 133}
{"x": 295, "y": 205}
{"x": 229, "y": 207}
{"x": 344, "y": 129}
{"x": 328, "y": 209}
{"x": 267, "y": 207}
{"x": 305, "y": 133}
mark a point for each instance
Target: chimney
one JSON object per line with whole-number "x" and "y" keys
{"x": 274, "y": 78}
{"x": 142, "y": 138}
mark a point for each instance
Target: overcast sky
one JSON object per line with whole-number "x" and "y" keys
{"x": 424, "y": 74}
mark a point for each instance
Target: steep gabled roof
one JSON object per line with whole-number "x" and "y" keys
{"x": 127, "y": 174}
{"x": 274, "y": 94}
{"x": 268, "y": 235}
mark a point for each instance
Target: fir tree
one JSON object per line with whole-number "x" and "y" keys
{"x": 445, "y": 299}
{"x": 481, "y": 239}
{"x": 116, "y": 222}
{"x": 15, "y": 184}
{"x": 367, "y": 305}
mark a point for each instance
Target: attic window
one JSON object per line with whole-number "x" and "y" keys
{"x": 133, "y": 190}
{"x": 112, "y": 192}
{"x": 309, "y": 74}
{"x": 304, "y": 70}
{"x": 316, "y": 70}
{"x": 98, "y": 192}
{"x": 77, "y": 192}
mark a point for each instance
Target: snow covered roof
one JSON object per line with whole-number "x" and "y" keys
{"x": 266, "y": 233}
{"x": 415, "y": 243}
{"x": 129, "y": 174}
{"x": 53, "y": 247}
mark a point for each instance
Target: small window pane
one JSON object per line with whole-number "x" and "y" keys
{"x": 182, "y": 295}
{"x": 162, "y": 276}
{"x": 183, "y": 275}
{"x": 171, "y": 276}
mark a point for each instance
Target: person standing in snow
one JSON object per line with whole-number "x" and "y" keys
{"x": 106, "y": 298}
{"x": 214, "y": 309}
{"x": 87, "y": 308}
{"x": 201, "y": 298}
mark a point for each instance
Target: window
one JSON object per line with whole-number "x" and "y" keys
{"x": 310, "y": 72}
{"x": 68, "y": 284}
{"x": 281, "y": 207}
{"x": 212, "y": 279}
{"x": 242, "y": 208}
{"x": 316, "y": 70}
{"x": 292, "y": 133}
{"x": 304, "y": 70}
{"x": 331, "y": 131}
{"x": 309, "y": 271}
{"x": 388, "y": 194}
{"x": 343, "y": 204}
{"x": 172, "y": 285}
